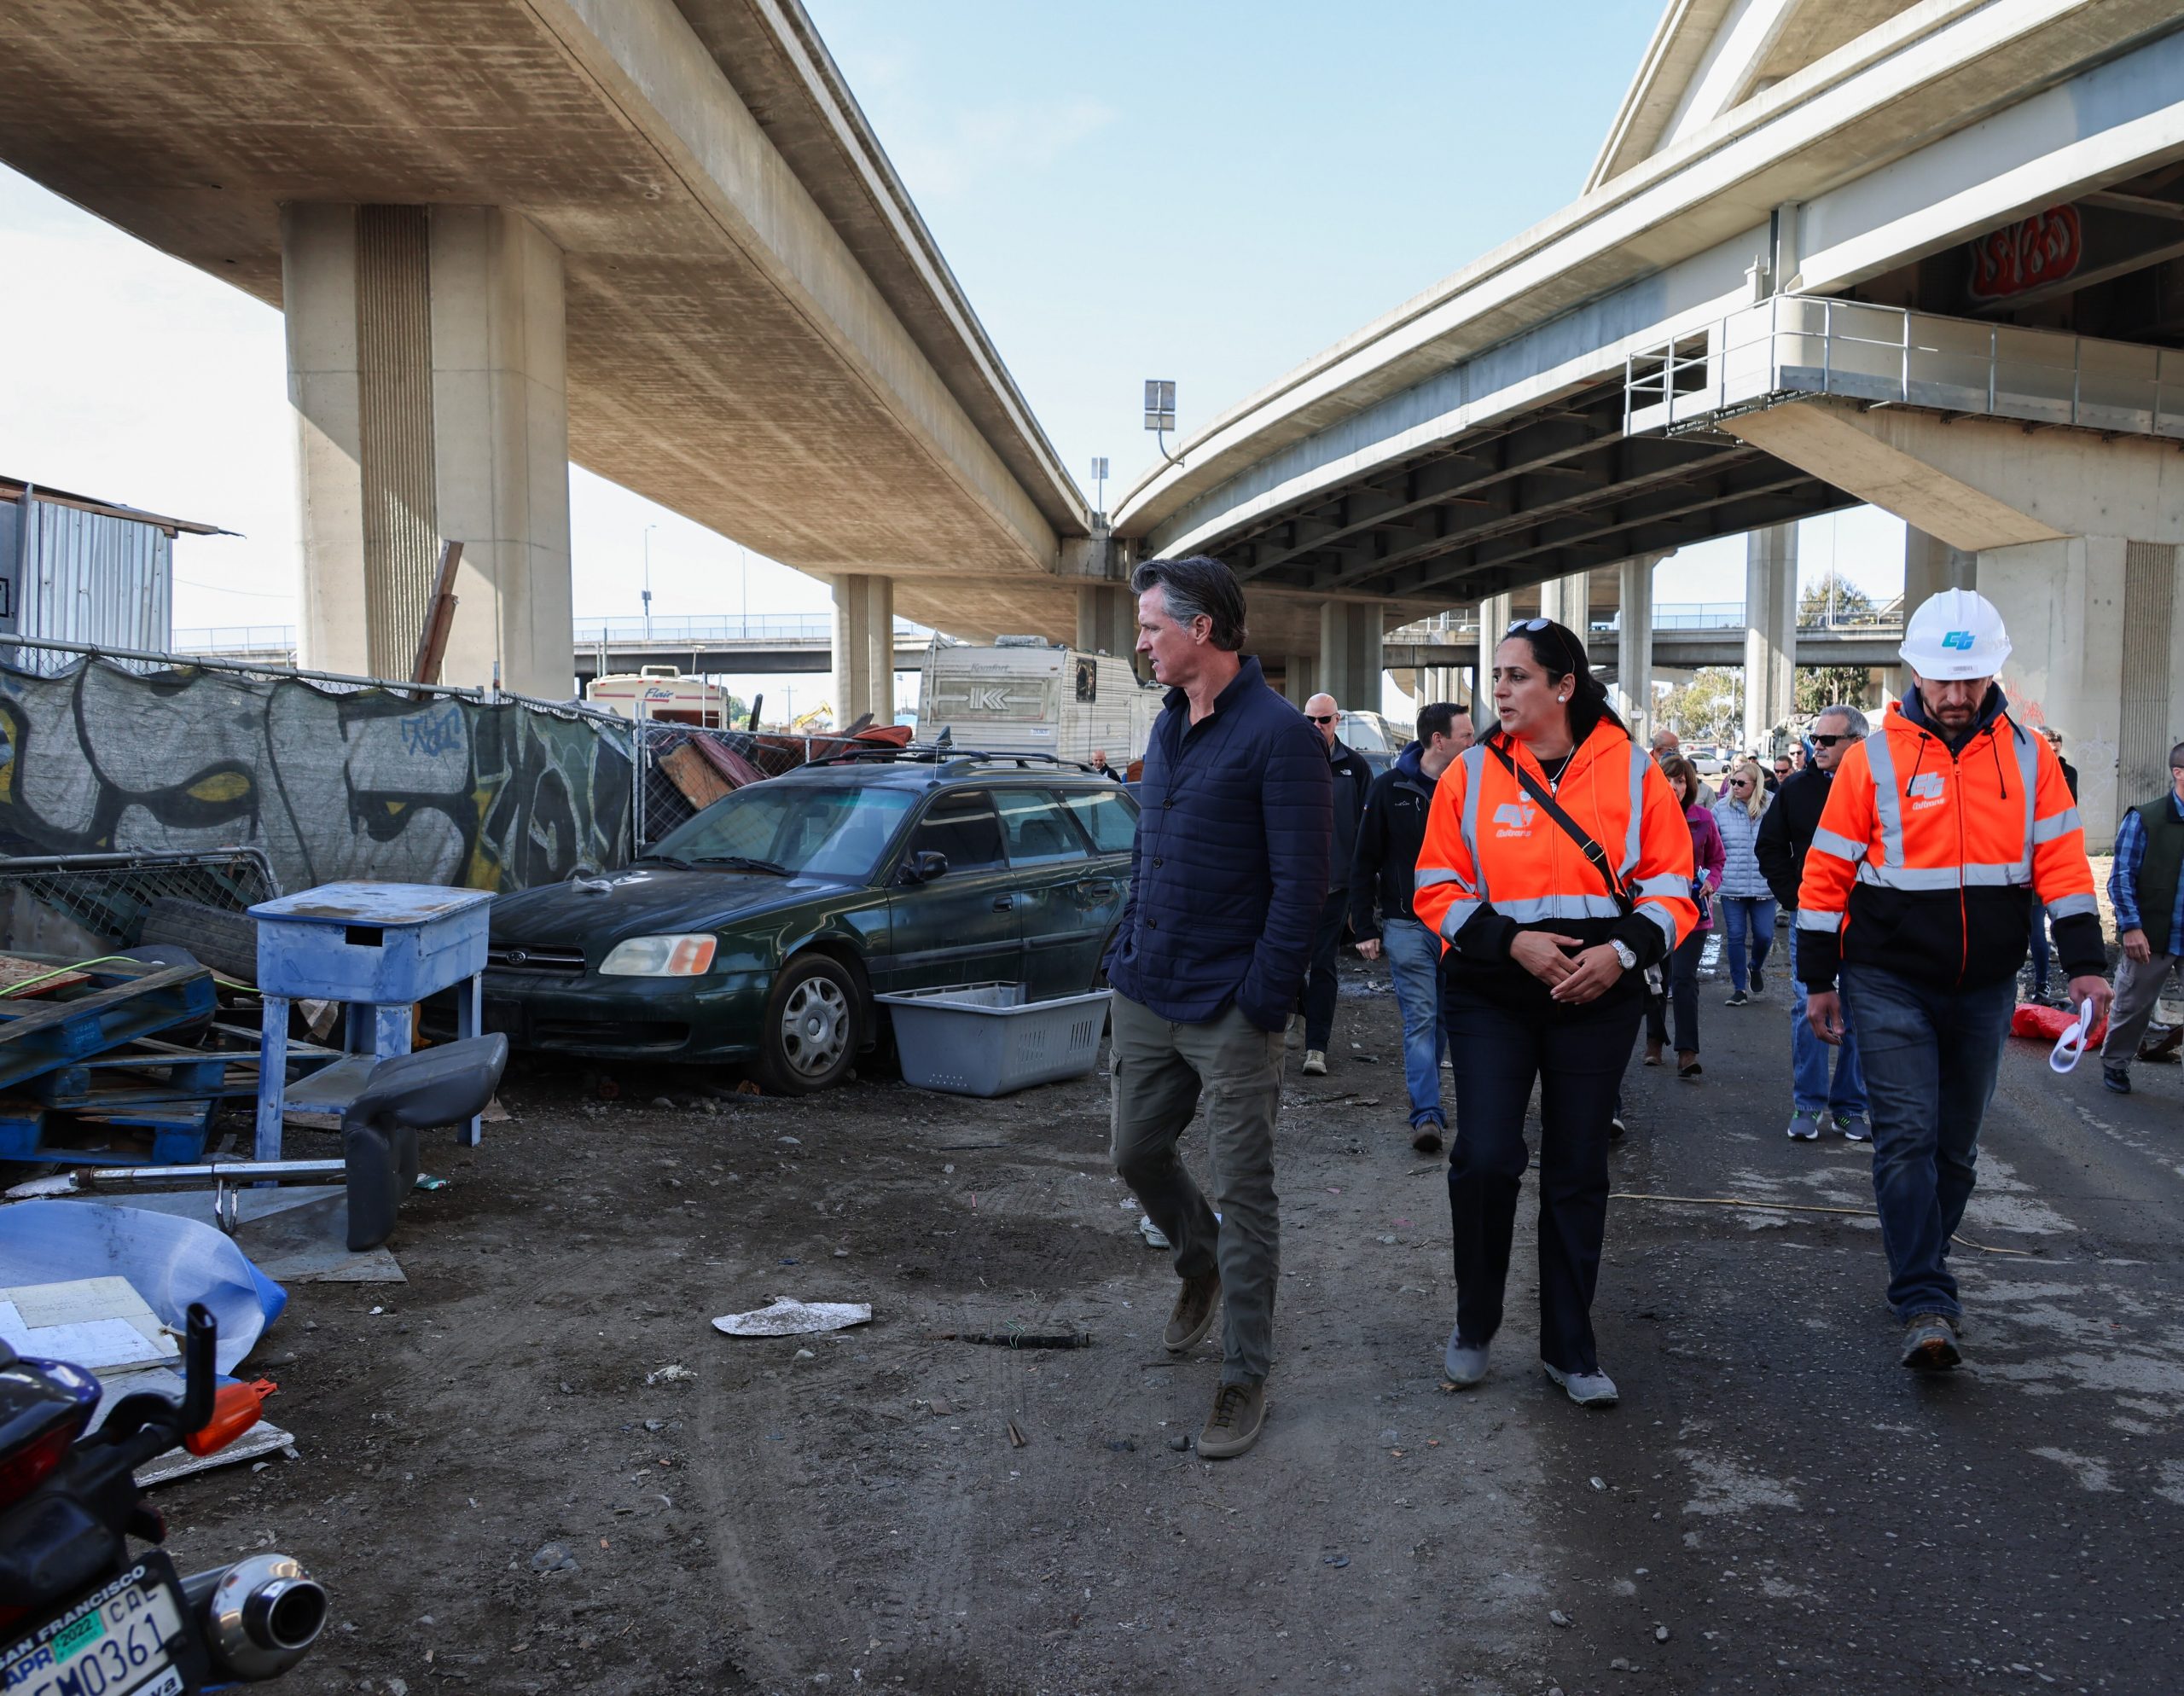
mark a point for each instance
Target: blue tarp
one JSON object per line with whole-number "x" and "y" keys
{"x": 171, "y": 1262}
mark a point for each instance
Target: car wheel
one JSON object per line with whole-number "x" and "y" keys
{"x": 810, "y": 1035}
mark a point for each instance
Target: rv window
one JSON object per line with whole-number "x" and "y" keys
{"x": 1037, "y": 830}
{"x": 1108, "y": 818}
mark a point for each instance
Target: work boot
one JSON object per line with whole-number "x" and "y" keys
{"x": 2117, "y": 1077}
{"x": 1425, "y": 1137}
{"x": 1193, "y": 1316}
{"x": 1593, "y": 1389}
{"x": 1465, "y": 1365}
{"x": 1232, "y": 1426}
{"x": 1315, "y": 1063}
{"x": 1929, "y": 1342}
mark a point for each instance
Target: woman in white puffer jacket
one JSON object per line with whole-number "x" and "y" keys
{"x": 1747, "y": 904}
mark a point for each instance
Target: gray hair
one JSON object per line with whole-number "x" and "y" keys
{"x": 1853, "y": 720}
{"x": 1200, "y": 587}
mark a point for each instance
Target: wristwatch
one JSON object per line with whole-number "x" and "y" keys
{"x": 1622, "y": 952}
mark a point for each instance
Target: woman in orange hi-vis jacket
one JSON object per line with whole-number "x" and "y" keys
{"x": 1557, "y": 867}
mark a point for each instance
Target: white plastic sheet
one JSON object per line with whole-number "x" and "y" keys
{"x": 788, "y": 1318}
{"x": 171, "y": 1262}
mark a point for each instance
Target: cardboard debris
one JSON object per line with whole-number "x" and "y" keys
{"x": 786, "y": 1317}
{"x": 95, "y": 1323}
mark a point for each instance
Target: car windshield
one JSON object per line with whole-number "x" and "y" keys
{"x": 819, "y": 830}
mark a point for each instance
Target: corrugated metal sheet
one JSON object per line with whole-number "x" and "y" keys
{"x": 69, "y": 575}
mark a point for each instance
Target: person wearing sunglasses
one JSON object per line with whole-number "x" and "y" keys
{"x": 1556, "y": 867}
{"x": 1944, "y": 832}
{"x": 1747, "y": 904}
{"x": 1816, "y": 1099}
{"x": 1352, "y": 779}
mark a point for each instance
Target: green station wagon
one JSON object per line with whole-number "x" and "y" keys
{"x": 759, "y": 932}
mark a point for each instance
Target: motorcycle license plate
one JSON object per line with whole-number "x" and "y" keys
{"x": 112, "y": 1643}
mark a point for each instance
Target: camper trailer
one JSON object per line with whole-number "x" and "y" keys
{"x": 663, "y": 692}
{"x": 1022, "y": 695}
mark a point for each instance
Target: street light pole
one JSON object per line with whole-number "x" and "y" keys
{"x": 648, "y": 587}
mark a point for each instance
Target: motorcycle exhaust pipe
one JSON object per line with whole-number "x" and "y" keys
{"x": 261, "y": 1616}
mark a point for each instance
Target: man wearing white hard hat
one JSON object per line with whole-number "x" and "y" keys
{"x": 1942, "y": 829}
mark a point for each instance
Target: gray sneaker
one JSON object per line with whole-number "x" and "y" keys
{"x": 1804, "y": 1127}
{"x": 1586, "y": 1389}
{"x": 1465, "y": 1365}
{"x": 1854, "y": 1127}
{"x": 1929, "y": 1342}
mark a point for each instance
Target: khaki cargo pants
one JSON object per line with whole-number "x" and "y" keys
{"x": 1160, "y": 1072}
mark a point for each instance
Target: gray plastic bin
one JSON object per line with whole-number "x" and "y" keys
{"x": 985, "y": 1039}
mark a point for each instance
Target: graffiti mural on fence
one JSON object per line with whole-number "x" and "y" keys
{"x": 332, "y": 786}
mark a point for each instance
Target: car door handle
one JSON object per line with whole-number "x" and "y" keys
{"x": 1096, "y": 886}
{"x": 1002, "y": 903}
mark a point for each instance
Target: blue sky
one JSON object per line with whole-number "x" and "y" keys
{"x": 1211, "y": 193}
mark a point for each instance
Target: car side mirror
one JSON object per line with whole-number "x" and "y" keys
{"x": 924, "y": 866}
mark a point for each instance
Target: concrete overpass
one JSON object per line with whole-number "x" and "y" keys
{"x": 657, "y": 237}
{"x": 2006, "y": 176}
{"x": 762, "y": 645}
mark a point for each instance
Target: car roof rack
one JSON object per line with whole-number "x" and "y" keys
{"x": 946, "y": 758}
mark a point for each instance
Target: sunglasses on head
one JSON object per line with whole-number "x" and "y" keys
{"x": 1527, "y": 625}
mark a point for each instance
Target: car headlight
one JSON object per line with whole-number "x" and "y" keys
{"x": 676, "y": 956}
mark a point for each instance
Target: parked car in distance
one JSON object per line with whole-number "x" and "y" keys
{"x": 759, "y": 932}
{"x": 1373, "y": 737}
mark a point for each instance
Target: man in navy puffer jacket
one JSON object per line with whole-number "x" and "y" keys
{"x": 1227, "y": 876}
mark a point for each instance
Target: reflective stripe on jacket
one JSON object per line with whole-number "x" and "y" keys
{"x": 1927, "y": 861}
{"x": 1494, "y": 863}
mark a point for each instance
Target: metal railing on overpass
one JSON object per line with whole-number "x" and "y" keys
{"x": 1452, "y": 629}
{"x": 717, "y": 636}
{"x": 1794, "y": 347}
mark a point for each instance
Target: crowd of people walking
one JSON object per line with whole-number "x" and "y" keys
{"x": 1541, "y": 886}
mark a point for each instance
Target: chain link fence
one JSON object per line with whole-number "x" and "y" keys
{"x": 109, "y": 895}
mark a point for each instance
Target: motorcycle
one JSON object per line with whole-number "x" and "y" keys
{"x": 79, "y": 1614}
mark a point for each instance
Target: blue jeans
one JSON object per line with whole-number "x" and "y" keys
{"x": 1414, "y": 962}
{"x": 1743, "y": 914}
{"x": 2041, "y": 959}
{"x": 1811, "y": 1092}
{"x": 1930, "y": 1057}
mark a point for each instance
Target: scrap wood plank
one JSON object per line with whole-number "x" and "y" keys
{"x": 726, "y": 761}
{"x": 694, "y": 775}
{"x": 14, "y": 970}
{"x": 44, "y": 1035}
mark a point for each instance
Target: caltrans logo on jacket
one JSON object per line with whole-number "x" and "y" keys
{"x": 1516, "y": 817}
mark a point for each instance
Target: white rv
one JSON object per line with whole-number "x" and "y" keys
{"x": 1023, "y": 696}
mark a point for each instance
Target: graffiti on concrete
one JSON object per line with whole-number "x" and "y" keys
{"x": 331, "y": 785}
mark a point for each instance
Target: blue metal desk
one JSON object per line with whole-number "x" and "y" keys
{"x": 377, "y": 949}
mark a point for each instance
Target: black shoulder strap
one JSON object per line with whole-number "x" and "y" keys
{"x": 1591, "y": 850}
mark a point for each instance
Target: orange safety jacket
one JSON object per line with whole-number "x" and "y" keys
{"x": 1927, "y": 861}
{"x": 1493, "y": 863}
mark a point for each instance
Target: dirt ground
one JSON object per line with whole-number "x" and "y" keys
{"x": 1776, "y": 1506}
{"x": 852, "y": 1509}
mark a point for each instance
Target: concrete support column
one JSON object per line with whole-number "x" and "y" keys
{"x": 426, "y": 366}
{"x": 1300, "y": 678}
{"x": 2096, "y": 645}
{"x": 1568, "y": 600}
{"x": 1106, "y": 619}
{"x": 864, "y": 649}
{"x": 1494, "y": 616}
{"x": 1770, "y": 641}
{"x": 1633, "y": 694}
{"x": 1349, "y": 653}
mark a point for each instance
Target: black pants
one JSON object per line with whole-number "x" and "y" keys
{"x": 1319, "y": 976}
{"x": 1578, "y": 1056}
{"x": 1682, "y": 970}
